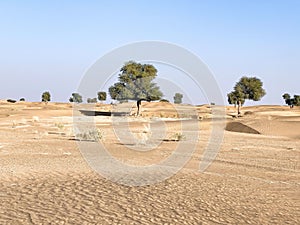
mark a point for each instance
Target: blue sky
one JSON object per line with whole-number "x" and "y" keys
{"x": 49, "y": 45}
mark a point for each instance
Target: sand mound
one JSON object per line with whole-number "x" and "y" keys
{"x": 278, "y": 127}
{"x": 240, "y": 127}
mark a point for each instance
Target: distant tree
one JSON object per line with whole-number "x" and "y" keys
{"x": 297, "y": 100}
{"x": 77, "y": 98}
{"x": 288, "y": 100}
{"x": 22, "y": 99}
{"x": 46, "y": 97}
{"x": 92, "y": 100}
{"x": 291, "y": 101}
{"x": 178, "y": 98}
{"x": 101, "y": 95}
{"x": 136, "y": 82}
{"x": 11, "y": 100}
{"x": 250, "y": 88}
{"x": 286, "y": 96}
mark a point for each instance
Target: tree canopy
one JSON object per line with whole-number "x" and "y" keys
{"x": 247, "y": 88}
{"x": 91, "y": 100}
{"x": 46, "y": 97}
{"x": 136, "y": 82}
{"x": 297, "y": 100}
{"x": 236, "y": 97}
{"x": 101, "y": 95}
{"x": 291, "y": 101}
{"x": 178, "y": 98}
{"x": 76, "y": 98}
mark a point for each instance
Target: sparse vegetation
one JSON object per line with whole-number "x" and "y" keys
{"x": 60, "y": 125}
{"x": 22, "y": 99}
{"x": 161, "y": 115}
{"x": 93, "y": 134}
{"x": 177, "y": 137}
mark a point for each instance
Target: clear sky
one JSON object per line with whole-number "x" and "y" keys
{"x": 48, "y": 45}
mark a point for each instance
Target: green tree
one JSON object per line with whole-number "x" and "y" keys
{"x": 288, "y": 100}
{"x": 92, "y": 100}
{"x": 291, "y": 101}
{"x": 236, "y": 98}
{"x": 46, "y": 97}
{"x": 297, "y": 100}
{"x": 178, "y": 98}
{"x": 286, "y": 96}
{"x": 101, "y": 95}
{"x": 250, "y": 88}
{"x": 77, "y": 98}
{"x": 136, "y": 82}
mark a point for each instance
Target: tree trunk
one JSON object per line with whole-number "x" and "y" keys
{"x": 138, "y": 111}
{"x": 239, "y": 108}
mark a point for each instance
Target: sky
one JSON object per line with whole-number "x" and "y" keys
{"x": 50, "y": 45}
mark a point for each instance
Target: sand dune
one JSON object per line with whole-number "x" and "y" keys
{"x": 239, "y": 127}
{"x": 273, "y": 120}
{"x": 255, "y": 178}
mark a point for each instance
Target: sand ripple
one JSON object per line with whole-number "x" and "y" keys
{"x": 89, "y": 199}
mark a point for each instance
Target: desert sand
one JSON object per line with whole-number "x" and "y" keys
{"x": 255, "y": 178}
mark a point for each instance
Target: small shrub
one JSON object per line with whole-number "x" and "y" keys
{"x": 164, "y": 100}
{"x": 22, "y": 99}
{"x": 177, "y": 137}
{"x": 14, "y": 124}
{"x": 60, "y": 126}
{"x": 93, "y": 134}
{"x": 11, "y": 101}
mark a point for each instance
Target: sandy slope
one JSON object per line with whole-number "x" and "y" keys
{"x": 255, "y": 178}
